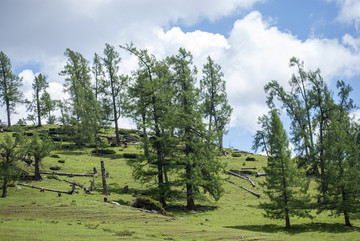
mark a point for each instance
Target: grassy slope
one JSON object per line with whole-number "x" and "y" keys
{"x": 27, "y": 214}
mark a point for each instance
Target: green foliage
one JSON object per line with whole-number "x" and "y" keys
{"x": 215, "y": 104}
{"x": 236, "y": 154}
{"x": 11, "y": 150}
{"x": 149, "y": 204}
{"x": 130, "y": 155}
{"x": 55, "y": 168}
{"x": 10, "y": 93}
{"x": 285, "y": 184}
{"x": 123, "y": 233}
{"x": 37, "y": 104}
{"x": 39, "y": 148}
{"x": 341, "y": 157}
{"x": 250, "y": 159}
{"x": 83, "y": 115}
{"x": 104, "y": 151}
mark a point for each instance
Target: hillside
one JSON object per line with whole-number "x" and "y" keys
{"x": 30, "y": 214}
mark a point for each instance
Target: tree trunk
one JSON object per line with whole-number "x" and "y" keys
{"x": 5, "y": 185}
{"x": 8, "y": 112}
{"x": 347, "y": 219}
{"x": 103, "y": 175}
{"x": 287, "y": 219}
{"x": 6, "y": 177}
{"x": 146, "y": 149}
{"x": 38, "y": 108}
{"x": 115, "y": 111}
{"x": 37, "y": 170}
{"x": 190, "y": 204}
{"x": 50, "y": 190}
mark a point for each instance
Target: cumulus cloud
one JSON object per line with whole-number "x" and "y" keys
{"x": 349, "y": 12}
{"x": 255, "y": 52}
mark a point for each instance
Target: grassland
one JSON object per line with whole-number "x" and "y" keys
{"x": 28, "y": 214}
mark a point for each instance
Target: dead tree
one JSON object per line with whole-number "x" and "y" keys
{"x": 103, "y": 175}
{"x": 253, "y": 193}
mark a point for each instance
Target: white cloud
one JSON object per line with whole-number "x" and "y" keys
{"x": 255, "y": 52}
{"x": 349, "y": 12}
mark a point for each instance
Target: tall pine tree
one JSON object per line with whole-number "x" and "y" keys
{"x": 9, "y": 87}
{"x": 215, "y": 104}
{"x": 285, "y": 184}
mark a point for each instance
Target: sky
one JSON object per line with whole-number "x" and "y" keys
{"x": 252, "y": 40}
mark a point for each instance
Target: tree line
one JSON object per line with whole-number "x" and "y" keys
{"x": 326, "y": 143}
{"x": 182, "y": 125}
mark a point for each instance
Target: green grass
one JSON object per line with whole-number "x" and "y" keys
{"x": 28, "y": 214}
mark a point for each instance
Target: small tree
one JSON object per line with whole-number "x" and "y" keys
{"x": 9, "y": 87}
{"x": 36, "y": 105}
{"x": 39, "y": 148}
{"x": 285, "y": 184}
{"x": 11, "y": 152}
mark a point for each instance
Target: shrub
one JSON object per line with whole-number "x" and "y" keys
{"x": 105, "y": 151}
{"x": 236, "y": 154}
{"x": 124, "y": 233}
{"x": 54, "y": 156}
{"x": 130, "y": 155}
{"x": 113, "y": 145}
{"x": 250, "y": 159}
{"x": 149, "y": 204}
{"x": 55, "y": 168}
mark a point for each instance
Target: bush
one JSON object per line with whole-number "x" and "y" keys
{"x": 105, "y": 151}
{"x": 236, "y": 154}
{"x": 250, "y": 159}
{"x": 130, "y": 155}
{"x": 55, "y": 168}
{"x": 149, "y": 204}
{"x": 61, "y": 161}
{"x": 54, "y": 156}
{"x": 124, "y": 233}
{"x": 113, "y": 145}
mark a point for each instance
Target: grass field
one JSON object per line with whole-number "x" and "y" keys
{"x": 28, "y": 214}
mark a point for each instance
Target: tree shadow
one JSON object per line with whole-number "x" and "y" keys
{"x": 298, "y": 228}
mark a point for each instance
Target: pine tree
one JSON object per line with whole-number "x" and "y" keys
{"x": 341, "y": 157}
{"x": 285, "y": 184}
{"x": 151, "y": 94}
{"x": 39, "y": 148}
{"x": 115, "y": 85}
{"x": 9, "y": 87}
{"x": 215, "y": 105}
{"x": 77, "y": 83}
{"x": 202, "y": 170}
{"x": 39, "y": 86}
{"x": 11, "y": 149}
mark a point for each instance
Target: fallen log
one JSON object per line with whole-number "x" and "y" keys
{"x": 75, "y": 183}
{"x": 86, "y": 189}
{"x": 240, "y": 176}
{"x": 248, "y": 168}
{"x": 253, "y": 193}
{"x": 50, "y": 190}
{"x": 67, "y": 174}
{"x": 260, "y": 174}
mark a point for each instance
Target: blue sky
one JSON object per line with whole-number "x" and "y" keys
{"x": 252, "y": 40}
